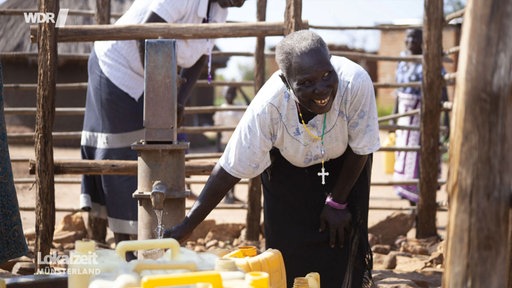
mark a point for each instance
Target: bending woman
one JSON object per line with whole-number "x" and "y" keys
{"x": 310, "y": 132}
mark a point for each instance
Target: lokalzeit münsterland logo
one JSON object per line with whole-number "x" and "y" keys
{"x": 76, "y": 263}
{"x": 47, "y": 17}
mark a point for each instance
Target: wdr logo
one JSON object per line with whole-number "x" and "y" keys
{"x": 48, "y": 17}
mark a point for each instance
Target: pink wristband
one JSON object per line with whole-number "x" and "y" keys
{"x": 334, "y": 204}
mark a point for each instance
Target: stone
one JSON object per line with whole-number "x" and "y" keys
{"x": 389, "y": 229}
{"x": 70, "y": 229}
{"x": 424, "y": 246}
{"x": 373, "y": 239}
{"x": 390, "y": 261}
{"x": 202, "y": 230}
{"x": 67, "y": 237}
{"x": 199, "y": 248}
{"x": 396, "y": 279}
{"x": 408, "y": 263}
{"x": 378, "y": 261}
{"x": 381, "y": 249}
{"x": 211, "y": 243}
{"x": 436, "y": 260}
{"x": 225, "y": 232}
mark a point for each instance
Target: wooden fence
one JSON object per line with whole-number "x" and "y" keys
{"x": 45, "y": 33}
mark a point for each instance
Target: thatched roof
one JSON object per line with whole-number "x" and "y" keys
{"x": 16, "y": 35}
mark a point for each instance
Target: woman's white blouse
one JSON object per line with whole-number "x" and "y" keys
{"x": 271, "y": 120}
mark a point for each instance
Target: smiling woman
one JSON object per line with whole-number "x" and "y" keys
{"x": 310, "y": 133}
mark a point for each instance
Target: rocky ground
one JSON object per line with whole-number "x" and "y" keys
{"x": 400, "y": 260}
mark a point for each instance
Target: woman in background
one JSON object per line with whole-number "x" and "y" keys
{"x": 409, "y": 98}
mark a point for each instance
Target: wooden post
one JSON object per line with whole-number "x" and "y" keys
{"x": 480, "y": 182}
{"x": 45, "y": 195}
{"x": 510, "y": 248}
{"x": 259, "y": 53}
{"x": 430, "y": 114}
{"x": 292, "y": 16}
{"x": 102, "y": 12}
{"x": 253, "y": 218}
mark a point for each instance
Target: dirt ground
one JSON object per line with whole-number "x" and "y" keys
{"x": 383, "y": 203}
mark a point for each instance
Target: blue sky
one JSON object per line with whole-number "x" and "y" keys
{"x": 328, "y": 13}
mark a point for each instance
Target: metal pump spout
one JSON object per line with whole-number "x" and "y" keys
{"x": 158, "y": 195}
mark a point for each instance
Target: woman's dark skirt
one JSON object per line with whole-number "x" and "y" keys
{"x": 113, "y": 122}
{"x": 293, "y": 200}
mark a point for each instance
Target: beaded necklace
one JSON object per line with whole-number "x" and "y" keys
{"x": 322, "y": 172}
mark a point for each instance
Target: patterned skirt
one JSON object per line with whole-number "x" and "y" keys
{"x": 407, "y": 162}
{"x": 113, "y": 122}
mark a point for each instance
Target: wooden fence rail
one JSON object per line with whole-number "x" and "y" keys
{"x": 204, "y": 83}
{"x": 71, "y": 12}
{"x": 72, "y": 111}
{"x": 28, "y": 137}
{"x": 188, "y": 157}
{"x": 116, "y": 167}
{"x": 189, "y": 181}
{"x": 348, "y": 54}
{"x": 83, "y": 85}
{"x": 129, "y": 167}
{"x": 89, "y": 33}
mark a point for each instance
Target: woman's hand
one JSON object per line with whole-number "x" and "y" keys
{"x": 338, "y": 222}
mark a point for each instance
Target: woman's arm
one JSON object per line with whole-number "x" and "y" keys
{"x": 189, "y": 77}
{"x": 349, "y": 173}
{"x": 218, "y": 184}
{"x": 338, "y": 220}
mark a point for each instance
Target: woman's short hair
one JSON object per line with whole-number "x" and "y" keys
{"x": 295, "y": 44}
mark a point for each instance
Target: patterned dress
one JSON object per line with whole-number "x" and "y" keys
{"x": 409, "y": 98}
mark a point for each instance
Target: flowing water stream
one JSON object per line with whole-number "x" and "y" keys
{"x": 159, "y": 233}
{"x": 159, "y": 230}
